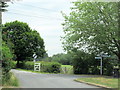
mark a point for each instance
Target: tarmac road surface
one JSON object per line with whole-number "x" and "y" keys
{"x": 37, "y": 80}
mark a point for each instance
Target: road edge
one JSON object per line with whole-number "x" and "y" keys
{"x": 94, "y": 84}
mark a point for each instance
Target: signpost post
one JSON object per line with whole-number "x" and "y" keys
{"x": 100, "y": 64}
{"x": 101, "y": 57}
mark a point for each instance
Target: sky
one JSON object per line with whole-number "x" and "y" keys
{"x": 44, "y": 16}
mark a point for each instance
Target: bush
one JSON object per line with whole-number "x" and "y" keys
{"x": 13, "y": 64}
{"x": 95, "y": 70}
{"x": 51, "y": 67}
{"x": 80, "y": 65}
{"x": 28, "y": 65}
{"x": 6, "y": 78}
{"x": 6, "y": 58}
{"x": 10, "y": 80}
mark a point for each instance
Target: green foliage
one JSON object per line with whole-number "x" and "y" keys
{"x": 6, "y": 78}
{"x": 84, "y": 63}
{"x": 27, "y": 65}
{"x": 51, "y": 67}
{"x": 26, "y": 41}
{"x": 80, "y": 63}
{"x": 6, "y": 58}
{"x": 10, "y": 80}
{"x": 64, "y": 59}
{"x": 94, "y": 26}
{"x": 100, "y": 81}
{"x": 66, "y": 69}
{"x": 13, "y": 64}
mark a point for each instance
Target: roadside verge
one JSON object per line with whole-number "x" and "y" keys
{"x": 100, "y": 82}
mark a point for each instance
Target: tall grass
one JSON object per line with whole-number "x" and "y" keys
{"x": 10, "y": 80}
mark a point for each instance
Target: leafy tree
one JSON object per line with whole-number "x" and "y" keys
{"x": 93, "y": 27}
{"x": 62, "y": 58}
{"x": 45, "y": 58}
{"x": 27, "y": 42}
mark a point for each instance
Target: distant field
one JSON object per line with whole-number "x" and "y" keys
{"x": 67, "y": 69}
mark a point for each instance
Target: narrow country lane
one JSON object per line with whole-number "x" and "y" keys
{"x": 36, "y": 80}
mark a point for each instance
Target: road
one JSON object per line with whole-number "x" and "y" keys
{"x": 36, "y": 80}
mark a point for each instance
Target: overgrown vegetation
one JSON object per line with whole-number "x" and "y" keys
{"x": 6, "y": 58}
{"x": 19, "y": 43}
{"x": 10, "y": 80}
{"x": 83, "y": 63}
{"x": 92, "y": 29}
{"x": 50, "y": 67}
{"x": 67, "y": 69}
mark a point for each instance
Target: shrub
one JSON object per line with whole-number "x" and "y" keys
{"x": 28, "y": 65}
{"x": 51, "y": 67}
{"x": 6, "y": 58}
{"x": 13, "y": 64}
{"x": 10, "y": 80}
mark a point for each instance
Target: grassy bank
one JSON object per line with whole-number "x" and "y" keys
{"x": 100, "y": 81}
{"x": 11, "y": 82}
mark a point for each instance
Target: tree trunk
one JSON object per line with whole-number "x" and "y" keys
{"x": 17, "y": 65}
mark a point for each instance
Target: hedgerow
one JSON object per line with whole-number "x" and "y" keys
{"x": 51, "y": 67}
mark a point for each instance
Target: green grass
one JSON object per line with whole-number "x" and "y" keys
{"x": 106, "y": 82}
{"x": 66, "y": 69}
{"x": 69, "y": 66}
{"x": 12, "y": 81}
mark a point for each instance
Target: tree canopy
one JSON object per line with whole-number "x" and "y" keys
{"x": 93, "y": 27}
{"x": 27, "y": 42}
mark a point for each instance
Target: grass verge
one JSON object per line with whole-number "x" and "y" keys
{"x": 12, "y": 81}
{"x": 100, "y": 81}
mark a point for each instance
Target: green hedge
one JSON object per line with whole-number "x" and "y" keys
{"x": 13, "y": 64}
{"x": 51, "y": 67}
{"x": 28, "y": 65}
